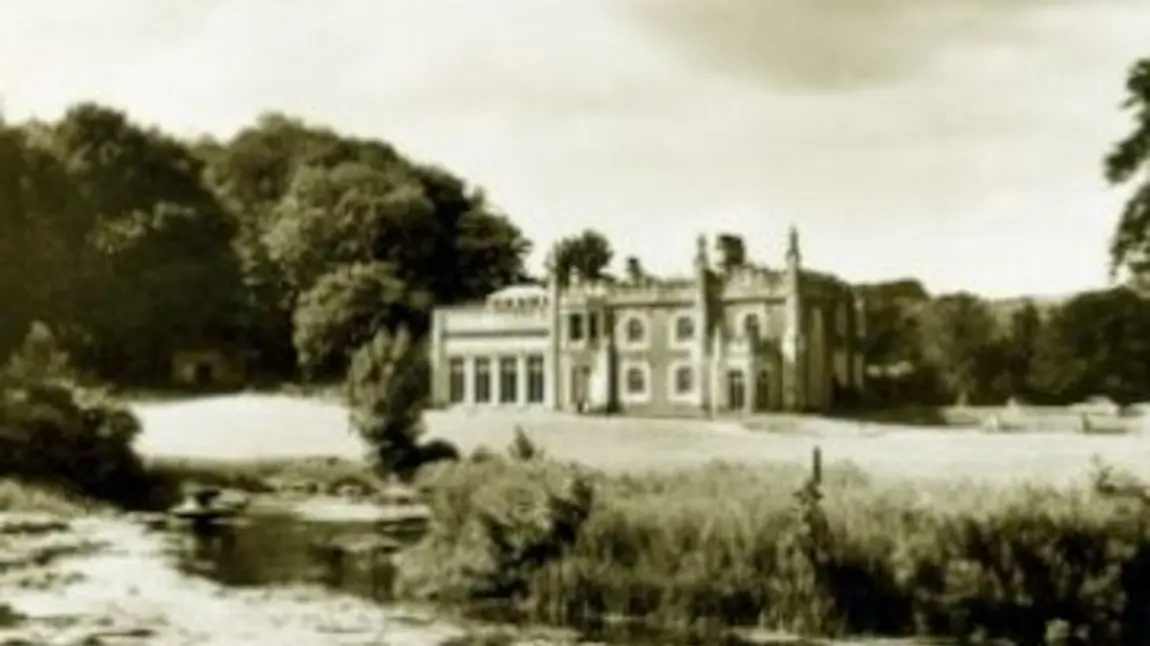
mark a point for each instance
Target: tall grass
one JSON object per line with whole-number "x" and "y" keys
{"x": 733, "y": 545}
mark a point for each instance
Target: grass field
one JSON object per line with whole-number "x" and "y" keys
{"x": 277, "y": 426}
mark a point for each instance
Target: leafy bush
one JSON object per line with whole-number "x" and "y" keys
{"x": 733, "y": 545}
{"x": 387, "y": 390}
{"x": 61, "y": 435}
{"x": 55, "y": 433}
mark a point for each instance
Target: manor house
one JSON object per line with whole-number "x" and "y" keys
{"x": 739, "y": 340}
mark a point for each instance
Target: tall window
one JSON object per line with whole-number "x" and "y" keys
{"x": 592, "y": 326}
{"x": 684, "y": 380}
{"x": 751, "y": 326}
{"x": 535, "y": 379}
{"x": 684, "y": 328}
{"x": 457, "y": 380}
{"x": 482, "y": 380}
{"x": 636, "y": 381}
{"x": 736, "y": 389}
{"x": 508, "y": 380}
{"x": 635, "y": 332}
{"x": 575, "y": 327}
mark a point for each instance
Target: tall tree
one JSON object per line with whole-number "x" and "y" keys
{"x": 164, "y": 274}
{"x": 1097, "y": 343}
{"x": 1021, "y": 350}
{"x": 313, "y": 202}
{"x": 960, "y": 336}
{"x": 348, "y": 307}
{"x": 252, "y": 173}
{"x": 43, "y": 231}
{"x": 1126, "y": 160}
{"x": 588, "y": 254}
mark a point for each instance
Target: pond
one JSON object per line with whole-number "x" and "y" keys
{"x": 279, "y": 548}
{"x": 272, "y": 549}
{"x": 260, "y": 581}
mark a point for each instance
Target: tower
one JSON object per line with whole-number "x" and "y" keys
{"x": 794, "y": 337}
{"x": 701, "y": 350}
{"x": 554, "y": 370}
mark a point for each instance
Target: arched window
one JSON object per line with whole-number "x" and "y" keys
{"x": 684, "y": 380}
{"x": 636, "y": 381}
{"x": 751, "y": 326}
{"x": 635, "y": 331}
{"x": 684, "y": 328}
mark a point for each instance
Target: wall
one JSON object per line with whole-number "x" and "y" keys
{"x": 657, "y": 355}
{"x": 474, "y": 332}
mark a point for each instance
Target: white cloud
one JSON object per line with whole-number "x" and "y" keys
{"x": 571, "y": 115}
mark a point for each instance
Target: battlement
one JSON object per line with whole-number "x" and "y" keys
{"x": 482, "y": 317}
{"x": 646, "y": 291}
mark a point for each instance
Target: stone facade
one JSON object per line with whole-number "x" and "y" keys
{"x": 743, "y": 341}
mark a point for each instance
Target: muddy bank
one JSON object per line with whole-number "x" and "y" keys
{"x": 105, "y": 580}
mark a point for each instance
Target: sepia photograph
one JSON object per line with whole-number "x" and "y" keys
{"x": 575, "y": 322}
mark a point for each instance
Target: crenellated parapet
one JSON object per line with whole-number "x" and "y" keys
{"x": 752, "y": 282}
{"x": 649, "y": 291}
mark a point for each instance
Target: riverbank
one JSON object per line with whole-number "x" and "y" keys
{"x": 117, "y": 585}
{"x": 100, "y": 580}
{"x": 732, "y": 545}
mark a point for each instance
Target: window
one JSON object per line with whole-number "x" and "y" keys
{"x": 751, "y": 326}
{"x": 736, "y": 389}
{"x": 575, "y": 327}
{"x": 535, "y": 379}
{"x": 508, "y": 380}
{"x": 482, "y": 380}
{"x": 457, "y": 380}
{"x": 841, "y": 320}
{"x": 684, "y": 328}
{"x": 635, "y": 332}
{"x": 684, "y": 380}
{"x": 636, "y": 381}
{"x": 592, "y": 327}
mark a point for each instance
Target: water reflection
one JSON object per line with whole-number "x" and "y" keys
{"x": 268, "y": 549}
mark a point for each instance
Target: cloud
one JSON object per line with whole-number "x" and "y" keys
{"x": 933, "y": 137}
{"x": 830, "y": 45}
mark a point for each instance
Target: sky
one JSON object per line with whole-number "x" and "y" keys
{"x": 959, "y": 141}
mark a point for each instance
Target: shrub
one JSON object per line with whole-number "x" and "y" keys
{"x": 732, "y": 545}
{"x": 387, "y": 390}
{"x": 523, "y": 448}
{"x": 64, "y": 436}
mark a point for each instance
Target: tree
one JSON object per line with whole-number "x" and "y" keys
{"x": 347, "y": 308}
{"x": 1021, "y": 349}
{"x": 1127, "y": 159}
{"x": 42, "y": 237}
{"x": 1097, "y": 343}
{"x": 162, "y": 273}
{"x": 959, "y": 335}
{"x": 39, "y": 358}
{"x": 251, "y": 174}
{"x": 387, "y": 391}
{"x": 892, "y": 334}
{"x": 587, "y": 254}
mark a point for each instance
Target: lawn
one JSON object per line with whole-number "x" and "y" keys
{"x": 279, "y": 426}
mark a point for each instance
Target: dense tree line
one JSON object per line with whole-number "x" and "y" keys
{"x": 284, "y": 240}
{"x": 961, "y": 348}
